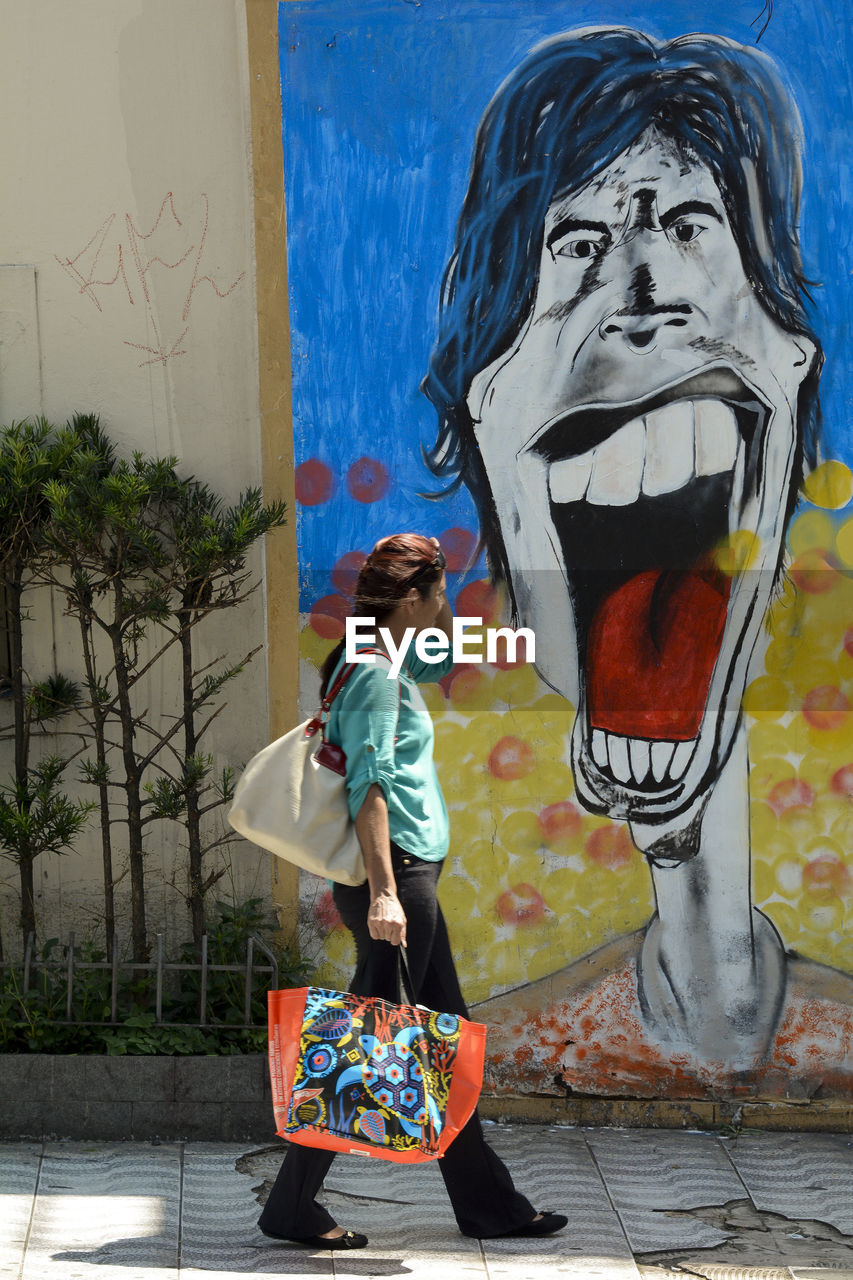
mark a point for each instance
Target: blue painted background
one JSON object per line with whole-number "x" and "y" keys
{"x": 381, "y": 101}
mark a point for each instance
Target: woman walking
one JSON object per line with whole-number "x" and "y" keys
{"x": 396, "y": 803}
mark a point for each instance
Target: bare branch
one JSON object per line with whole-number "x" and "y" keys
{"x": 209, "y": 721}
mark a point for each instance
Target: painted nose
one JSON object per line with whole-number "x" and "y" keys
{"x": 640, "y": 321}
{"x": 640, "y": 331}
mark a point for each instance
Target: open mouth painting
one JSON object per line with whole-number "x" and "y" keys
{"x": 657, "y": 521}
{"x": 626, "y": 377}
{"x": 589, "y": 240}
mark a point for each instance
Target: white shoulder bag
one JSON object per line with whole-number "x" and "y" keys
{"x": 291, "y": 799}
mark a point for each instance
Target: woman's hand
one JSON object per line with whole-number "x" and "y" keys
{"x": 386, "y": 919}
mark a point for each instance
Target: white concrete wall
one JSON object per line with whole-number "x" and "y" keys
{"x": 127, "y": 288}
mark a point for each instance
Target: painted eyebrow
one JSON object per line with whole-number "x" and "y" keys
{"x": 566, "y": 225}
{"x": 688, "y": 206}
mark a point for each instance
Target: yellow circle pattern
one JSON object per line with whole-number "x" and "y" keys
{"x": 802, "y": 820}
{"x": 829, "y": 486}
{"x": 524, "y": 898}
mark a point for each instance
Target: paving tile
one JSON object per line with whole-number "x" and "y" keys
{"x": 114, "y": 1209}
{"x": 800, "y": 1175}
{"x": 762, "y": 1244}
{"x": 219, "y": 1222}
{"x": 362, "y": 1180}
{"x": 728, "y": 1269}
{"x": 403, "y": 1210}
{"x": 654, "y": 1176}
{"x": 288, "y": 1260}
{"x": 408, "y": 1218}
{"x": 538, "y": 1260}
{"x": 19, "y": 1172}
{"x": 104, "y": 1211}
{"x": 418, "y": 1239}
{"x": 405, "y": 1213}
{"x": 821, "y": 1273}
{"x": 555, "y": 1170}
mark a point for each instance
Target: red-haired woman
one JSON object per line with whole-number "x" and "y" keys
{"x": 395, "y": 800}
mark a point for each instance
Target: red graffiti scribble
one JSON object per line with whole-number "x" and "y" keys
{"x": 89, "y": 275}
{"x": 83, "y": 267}
{"x": 159, "y": 353}
{"x": 197, "y": 279}
{"x": 135, "y": 237}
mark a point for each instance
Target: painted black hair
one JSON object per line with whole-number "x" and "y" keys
{"x": 566, "y": 113}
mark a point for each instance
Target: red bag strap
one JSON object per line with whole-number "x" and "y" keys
{"x": 344, "y": 675}
{"x": 319, "y": 721}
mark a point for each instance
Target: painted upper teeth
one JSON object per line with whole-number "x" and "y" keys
{"x": 657, "y": 453}
{"x": 612, "y": 483}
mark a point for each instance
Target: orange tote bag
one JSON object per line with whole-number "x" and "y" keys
{"x": 365, "y": 1076}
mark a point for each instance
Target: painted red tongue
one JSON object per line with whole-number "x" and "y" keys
{"x": 651, "y": 653}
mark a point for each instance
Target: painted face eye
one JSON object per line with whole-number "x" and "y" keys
{"x": 588, "y": 244}
{"x": 685, "y": 231}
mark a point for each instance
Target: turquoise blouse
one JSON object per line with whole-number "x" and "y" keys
{"x": 386, "y": 732}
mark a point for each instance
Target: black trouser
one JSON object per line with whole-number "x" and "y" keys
{"x": 481, "y": 1191}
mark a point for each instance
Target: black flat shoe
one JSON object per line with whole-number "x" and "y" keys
{"x": 349, "y": 1240}
{"x": 544, "y": 1225}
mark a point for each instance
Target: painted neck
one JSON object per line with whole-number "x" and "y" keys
{"x": 711, "y": 890}
{"x": 711, "y": 970}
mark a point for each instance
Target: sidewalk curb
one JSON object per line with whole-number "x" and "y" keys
{"x": 227, "y": 1099}
{"x": 654, "y": 1113}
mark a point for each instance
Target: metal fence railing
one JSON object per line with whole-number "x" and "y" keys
{"x": 70, "y": 967}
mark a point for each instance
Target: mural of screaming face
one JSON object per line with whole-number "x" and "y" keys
{"x": 626, "y": 380}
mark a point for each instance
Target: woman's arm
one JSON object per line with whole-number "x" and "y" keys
{"x": 386, "y": 919}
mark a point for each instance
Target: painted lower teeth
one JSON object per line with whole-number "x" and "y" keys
{"x": 617, "y": 751}
{"x": 631, "y": 759}
{"x": 681, "y": 759}
{"x": 638, "y": 752}
{"x": 599, "y": 748}
{"x": 661, "y": 756}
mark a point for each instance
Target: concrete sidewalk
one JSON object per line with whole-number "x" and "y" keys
{"x": 641, "y": 1203}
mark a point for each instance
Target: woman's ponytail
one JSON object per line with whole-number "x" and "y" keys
{"x": 329, "y": 664}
